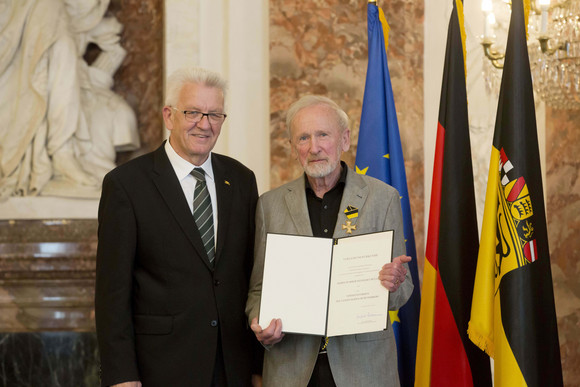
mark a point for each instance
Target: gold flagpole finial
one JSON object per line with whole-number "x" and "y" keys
{"x": 372, "y": 1}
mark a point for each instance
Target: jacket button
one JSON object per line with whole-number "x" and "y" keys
{"x": 213, "y": 323}
{"x": 216, "y": 282}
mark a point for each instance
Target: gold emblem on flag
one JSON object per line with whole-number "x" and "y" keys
{"x": 516, "y": 243}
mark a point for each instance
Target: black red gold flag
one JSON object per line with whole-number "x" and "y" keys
{"x": 445, "y": 355}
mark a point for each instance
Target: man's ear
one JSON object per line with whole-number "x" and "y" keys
{"x": 168, "y": 117}
{"x": 293, "y": 150}
{"x": 345, "y": 140}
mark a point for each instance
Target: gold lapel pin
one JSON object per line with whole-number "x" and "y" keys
{"x": 351, "y": 212}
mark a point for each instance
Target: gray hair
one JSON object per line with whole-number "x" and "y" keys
{"x": 313, "y": 100}
{"x": 195, "y": 75}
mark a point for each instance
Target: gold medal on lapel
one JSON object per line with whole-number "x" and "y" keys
{"x": 349, "y": 227}
{"x": 351, "y": 212}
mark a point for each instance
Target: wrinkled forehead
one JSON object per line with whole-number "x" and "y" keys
{"x": 316, "y": 118}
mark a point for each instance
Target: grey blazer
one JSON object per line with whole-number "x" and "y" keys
{"x": 368, "y": 359}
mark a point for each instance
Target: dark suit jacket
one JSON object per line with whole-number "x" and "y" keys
{"x": 159, "y": 304}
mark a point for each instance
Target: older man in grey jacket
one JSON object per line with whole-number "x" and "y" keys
{"x": 314, "y": 205}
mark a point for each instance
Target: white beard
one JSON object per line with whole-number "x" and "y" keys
{"x": 323, "y": 170}
{"x": 320, "y": 170}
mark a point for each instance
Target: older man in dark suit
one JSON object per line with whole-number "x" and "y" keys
{"x": 176, "y": 229}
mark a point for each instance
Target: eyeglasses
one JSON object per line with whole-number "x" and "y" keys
{"x": 194, "y": 116}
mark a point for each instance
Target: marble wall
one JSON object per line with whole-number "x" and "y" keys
{"x": 140, "y": 78}
{"x": 320, "y": 47}
{"x": 563, "y": 213}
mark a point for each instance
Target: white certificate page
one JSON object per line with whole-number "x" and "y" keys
{"x": 358, "y": 302}
{"x": 295, "y": 283}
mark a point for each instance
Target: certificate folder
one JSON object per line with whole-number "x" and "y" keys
{"x": 326, "y": 287}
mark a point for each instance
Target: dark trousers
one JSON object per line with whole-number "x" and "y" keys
{"x": 219, "y": 369}
{"x": 322, "y": 375}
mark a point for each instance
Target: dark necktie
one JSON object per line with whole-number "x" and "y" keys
{"x": 202, "y": 213}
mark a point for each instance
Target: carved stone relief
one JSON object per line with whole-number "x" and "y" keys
{"x": 61, "y": 124}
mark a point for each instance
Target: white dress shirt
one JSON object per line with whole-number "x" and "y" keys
{"x": 182, "y": 170}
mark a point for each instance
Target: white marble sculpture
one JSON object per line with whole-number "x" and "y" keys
{"x": 60, "y": 122}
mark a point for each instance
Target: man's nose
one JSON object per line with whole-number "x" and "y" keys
{"x": 314, "y": 146}
{"x": 204, "y": 122}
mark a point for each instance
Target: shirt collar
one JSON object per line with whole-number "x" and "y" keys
{"x": 183, "y": 167}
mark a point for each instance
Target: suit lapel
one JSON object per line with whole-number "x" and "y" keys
{"x": 223, "y": 187}
{"x": 166, "y": 182}
{"x": 296, "y": 203}
{"x": 355, "y": 194}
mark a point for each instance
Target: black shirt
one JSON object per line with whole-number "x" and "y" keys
{"x": 323, "y": 211}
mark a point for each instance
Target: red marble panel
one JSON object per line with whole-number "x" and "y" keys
{"x": 562, "y": 188}
{"x": 140, "y": 78}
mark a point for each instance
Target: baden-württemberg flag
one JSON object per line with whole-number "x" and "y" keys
{"x": 513, "y": 316}
{"x": 445, "y": 356}
{"x": 379, "y": 154}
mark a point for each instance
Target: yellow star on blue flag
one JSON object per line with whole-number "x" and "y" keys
{"x": 361, "y": 171}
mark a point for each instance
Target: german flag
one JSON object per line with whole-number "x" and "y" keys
{"x": 513, "y": 315}
{"x": 445, "y": 355}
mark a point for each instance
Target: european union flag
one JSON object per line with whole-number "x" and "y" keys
{"x": 379, "y": 154}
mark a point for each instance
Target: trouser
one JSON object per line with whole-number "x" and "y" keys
{"x": 322, "y": 375}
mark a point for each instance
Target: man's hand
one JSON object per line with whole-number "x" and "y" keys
{"x": 393, "y": 274}
{"x": 127, "y": 384}
{"x": 269, "y": 336}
